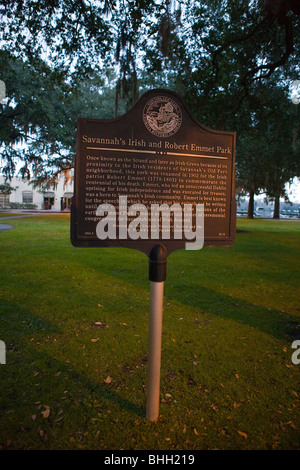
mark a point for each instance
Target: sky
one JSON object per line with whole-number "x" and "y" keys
{"x": 294, "y": 190}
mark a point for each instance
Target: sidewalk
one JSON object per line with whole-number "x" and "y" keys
{"x": 5, "y": 227}
{"x": 29, "y": 213}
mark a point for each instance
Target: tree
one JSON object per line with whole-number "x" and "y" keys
{"x": 31, "y": 119}
{"x": 75, "y": 36}
{"x": 38, "y": 120}
{"x": 240, "y": 57}
{"x": 251, "y": 163}
{"x": 243, "y": 49}
{"x": 79, "y": 37}
{"x": 268, "y": 150}
{"x": 6, "y": 188}
{"x": 216, "y": 54}
{"x": 284, "y": 150}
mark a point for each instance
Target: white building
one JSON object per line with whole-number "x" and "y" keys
{"x": 56, "y": 199}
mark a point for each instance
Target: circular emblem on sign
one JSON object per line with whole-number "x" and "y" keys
{"x": 162, "y": 116}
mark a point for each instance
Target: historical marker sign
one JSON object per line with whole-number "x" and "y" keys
{"x": 155, "y": 180}
{"x": 155, "y": 154}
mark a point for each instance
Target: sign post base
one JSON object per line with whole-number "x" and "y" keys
{"x": 157, "y": 276}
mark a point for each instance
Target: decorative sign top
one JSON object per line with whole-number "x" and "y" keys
{"x": 150, "y": 176}
{"x": 162, "y": 116}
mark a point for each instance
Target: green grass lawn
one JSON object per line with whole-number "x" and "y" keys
{"x": 75, "y": 325}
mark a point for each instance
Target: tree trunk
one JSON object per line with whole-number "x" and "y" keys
{"x": 276, "y": 208}
{"x": 251, "y": 205}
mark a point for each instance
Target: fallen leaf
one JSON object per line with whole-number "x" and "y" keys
{"x": 195, "y": 431}
{"x": 94, "y": 340}
{"x": 46, "y": 413}
{"x": 108, "y": 380}
{"x": 237, "y": 376}
{"x": 243, "y": 434}
{"x": 292, "y": 424}
{"x": 33, "y": 417}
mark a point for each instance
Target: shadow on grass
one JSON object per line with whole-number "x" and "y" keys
{"x": 279, "y": 324}
{"x": 16, "y": 321}
{"x": 107, "y": 393}
{"x": 16, "y": 326}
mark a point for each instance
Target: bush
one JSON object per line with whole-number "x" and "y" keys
{"x": 17, "y": 205}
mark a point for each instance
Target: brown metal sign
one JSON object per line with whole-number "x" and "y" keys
{"x": 155, "y": 157}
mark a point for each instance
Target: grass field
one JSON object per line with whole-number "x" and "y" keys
{"x": 75, "y": 325}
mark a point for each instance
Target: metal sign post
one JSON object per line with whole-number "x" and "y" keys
{"x": 157, "y": 276}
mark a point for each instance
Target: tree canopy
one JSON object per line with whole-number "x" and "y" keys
{"x": 232, "y": 61}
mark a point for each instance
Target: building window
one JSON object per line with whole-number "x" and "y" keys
{"x": 27, "y": 197}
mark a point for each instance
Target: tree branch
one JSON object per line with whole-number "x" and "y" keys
{"x": 239, "y": 39}
{"x": 270, "y": 67}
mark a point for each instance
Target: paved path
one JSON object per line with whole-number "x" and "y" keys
{"x": 31, "y": 214}
{"x": 5, "y": 227}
